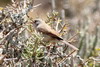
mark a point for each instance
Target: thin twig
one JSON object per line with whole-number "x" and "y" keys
{"x": 66, "y": 57}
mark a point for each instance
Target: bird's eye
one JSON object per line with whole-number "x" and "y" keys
{"x": 35, "y": 21}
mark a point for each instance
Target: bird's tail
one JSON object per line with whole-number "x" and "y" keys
{"x": 70, "y": 45}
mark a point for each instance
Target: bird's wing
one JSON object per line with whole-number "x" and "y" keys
{"x": 49, "y": 31}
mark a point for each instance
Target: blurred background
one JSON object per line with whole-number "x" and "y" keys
{"x": 83, "y": 17}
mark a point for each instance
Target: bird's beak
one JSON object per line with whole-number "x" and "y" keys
{"x": 32, "y": 22}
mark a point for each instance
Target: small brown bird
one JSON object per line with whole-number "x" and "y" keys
{"x": 49, "y": 34}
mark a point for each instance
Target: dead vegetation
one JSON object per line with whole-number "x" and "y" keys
{"x": 77, "y": 22}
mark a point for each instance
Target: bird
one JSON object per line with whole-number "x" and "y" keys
{"x": 48, "y": 33}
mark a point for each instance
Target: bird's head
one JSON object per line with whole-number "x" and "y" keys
{"x": 37, "y": 22}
